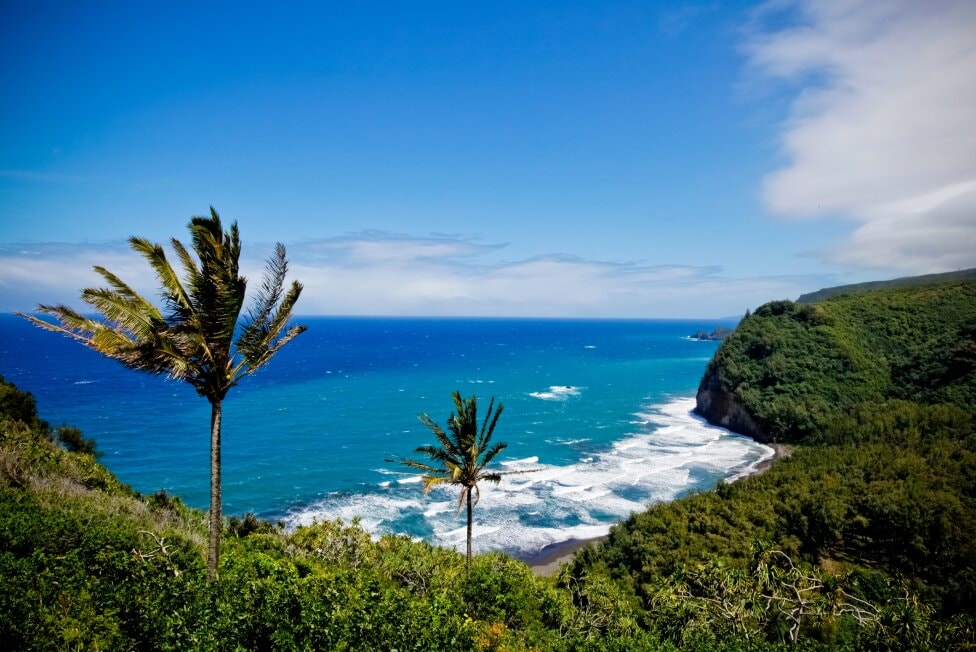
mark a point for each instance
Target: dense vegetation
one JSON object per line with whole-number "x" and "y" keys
{"x": 795, "y": 368}
{"x": 876, "y": 503}
{"x": 861, "y": 539}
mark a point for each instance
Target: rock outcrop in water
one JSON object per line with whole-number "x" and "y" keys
{"x": 718, "y": 334}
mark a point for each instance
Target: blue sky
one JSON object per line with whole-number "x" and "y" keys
{"x": 604, "y": 159}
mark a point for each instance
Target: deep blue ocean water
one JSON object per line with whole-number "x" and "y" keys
{"x": 600, "y": 409}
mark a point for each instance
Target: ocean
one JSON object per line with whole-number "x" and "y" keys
{"x": 599, "y": 410}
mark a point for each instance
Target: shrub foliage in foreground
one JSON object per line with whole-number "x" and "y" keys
{"x": 85, "y": 563}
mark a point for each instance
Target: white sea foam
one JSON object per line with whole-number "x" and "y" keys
{"x": 753, "y": 467}
{"x": 673, "y": 452}
{"x": 568, "y": 442}
{"x": 523, "y": 462}
{"x": 434, "y": 509}
{"x": 557, "y": 393}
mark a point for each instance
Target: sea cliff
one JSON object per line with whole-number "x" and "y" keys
{"x": 789, "y": 369}
{"x": 720, "y": 406}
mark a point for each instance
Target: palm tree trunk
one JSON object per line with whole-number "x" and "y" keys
{"x": 213, "y": 551}
{"x": 469, "y": 531}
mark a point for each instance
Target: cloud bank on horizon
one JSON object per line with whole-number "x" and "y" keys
{"x": 384, "y": 274}
{"x": 883, "y": 128}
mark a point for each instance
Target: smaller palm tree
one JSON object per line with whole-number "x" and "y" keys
{"x": 463, "y": 454}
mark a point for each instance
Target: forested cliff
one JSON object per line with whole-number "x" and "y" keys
{"x": 876, "y": 391}
{"x": 789, "y": 368}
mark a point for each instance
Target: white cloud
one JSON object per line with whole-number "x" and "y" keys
{"x": 53, "y": 273}
{"x": 382, "y": 274}
{"x": 884, "y": 128}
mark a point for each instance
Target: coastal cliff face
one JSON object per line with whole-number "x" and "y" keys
{"x": 790, "y": 370}
{"x": 878, "y": 389}
{"x": 721, "y": 407}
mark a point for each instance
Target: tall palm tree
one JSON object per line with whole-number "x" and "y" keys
{"x": 192, "y": 337}
{"x": 463, "y": 454}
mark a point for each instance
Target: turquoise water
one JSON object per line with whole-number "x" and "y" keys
{"x": 600, "y": 410}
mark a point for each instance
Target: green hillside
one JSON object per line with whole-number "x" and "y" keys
{"x": 877, "y": 393}
{"x": 793, "y": 367}
{"x": 893, "y": 284}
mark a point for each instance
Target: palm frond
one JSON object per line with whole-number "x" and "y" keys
{"x": 431, "y": 481}
{"x": 173, "y": 291}
{"x": 113, "y": 343}
{"x": 162, "y": 357}
{"x": 182, "y": 310}
{"x": 488, "y": 428}
{"x": 131, "y": 315}
{"x": 491, "y": 477}
{"x": 490, "y": 454}
{"x": 461, "y": 496}
{"x": 279, "y": 319}
{"x": 419, "y": 466}
{"x": 449, "y": 445}
{"x": 271, "y": 288}
{"x": 503, "y": 474}
{"x": 124, "y": 290}
{"x": 218, "y": 292}
{"x": 110, "y": 341}
{"x": 71, "y": 324}
{"x": 436, "y": 454}
{"x": 262, "y": 334}
{"x": 459, "y": 403}
{"x": 244, "y": 367}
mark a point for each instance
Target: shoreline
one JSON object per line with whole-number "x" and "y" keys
{"x": 780, "y": 452}
{"x": 547, "y": 561}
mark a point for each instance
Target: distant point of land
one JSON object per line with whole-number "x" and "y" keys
{"x": 893, "y": 284}
{"x": 717, "y": 335}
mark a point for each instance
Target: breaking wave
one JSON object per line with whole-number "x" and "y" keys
{"x": 557, "y": 393}
{"x": 672, "y": 452}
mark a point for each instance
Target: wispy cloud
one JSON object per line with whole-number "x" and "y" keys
{"x": 43, "y": 177}
{"x": 376, "y": 273}
{"x": 883, "y": 128}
